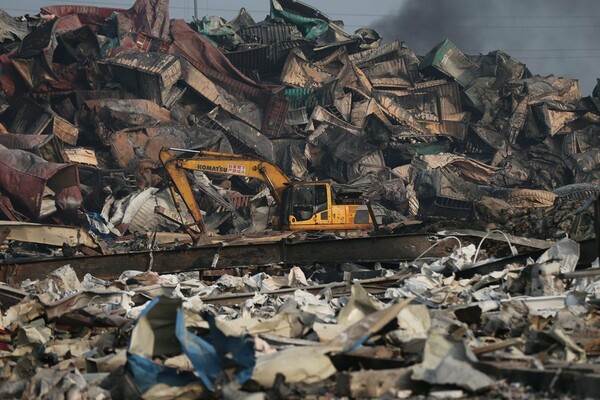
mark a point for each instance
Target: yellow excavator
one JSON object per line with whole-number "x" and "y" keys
{"x": 309, "y": 206}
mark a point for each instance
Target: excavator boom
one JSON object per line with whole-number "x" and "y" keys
{"x": 222, "y": 164}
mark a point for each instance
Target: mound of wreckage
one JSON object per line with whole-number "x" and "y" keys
{"x": 105, "y": 298}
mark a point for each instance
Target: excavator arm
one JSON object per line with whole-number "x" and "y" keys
{"x": 217, "y": 163}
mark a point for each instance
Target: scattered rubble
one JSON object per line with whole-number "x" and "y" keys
{"x": 478, "y": 279}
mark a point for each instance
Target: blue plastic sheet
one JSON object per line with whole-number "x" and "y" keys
{"x": 210, "y": 355}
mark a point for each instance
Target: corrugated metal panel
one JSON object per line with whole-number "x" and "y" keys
{"x": 31, "y": 118}
{"x": 275, "y": 116}
{"x": 299, "y": 72}
{"x": 240, "y": 106}
{"x": 393, "y": 73}
{"x": 298, "y": 116}
{"x": 291, "y": 158}
{"x": 150, "y": 74}
{"x": 216, "y": 66}
{"x": 369, "y": 58}
{"x": 269, "y": 33}
{"x": 266, "y": 59}
{"x": 239, "y": 200}
{"x": 299, "y": 98}
{"x": 448, "y": 94}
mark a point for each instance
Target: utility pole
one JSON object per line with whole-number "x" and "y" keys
{"x": 196, "y": 9}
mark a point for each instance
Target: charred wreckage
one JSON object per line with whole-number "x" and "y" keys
{"x": 282, "y": 209}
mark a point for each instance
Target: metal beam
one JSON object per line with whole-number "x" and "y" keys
{"x": 370, "y": 249}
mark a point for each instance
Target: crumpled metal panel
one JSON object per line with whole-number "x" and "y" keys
{"x": 244, "y": 109}
{"x": 147, "y": 16}
{"x": 299, "y": 72}
{"x": 267, "y": 59}
{"x": 393, "y": 73}
{"x": 35, "y": 62}
{"x": 130, "y": 146}
{"x": 24, "y": 142}
{"x": 450, "y": 61}
{"x": 99, "y": 13}
{"x": 33, "y": 119}
{"x": 24, "y": 176}
{"x": 300, "y": 98}
{"x": 289, "y": 154}
{"x": 243, "y": 138}
{"x": 213, "y": 64}
{"x": 341, "y": 143}
{"x": 269, "y": 33}
{"x": 111, "y": 115}
{"x": 203, "y": 55}
{"x": 10, "y": 28}
{"x": 395, "y": 112}
{"x": 151, "y": 75}
{"x": 369, "y": 58}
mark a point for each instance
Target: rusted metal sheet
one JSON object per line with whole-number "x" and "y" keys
{"x": 64, "y": 130}
{"x": 33, "y": 119}
{"x": 371, "y": 249}
{"x": 277, "y": 108}
{"x": 24, "y": 176}
{"x": 448, "y": 94}
{"x": 243, "y": 138}
{"x": 320, "y": 114}
{"x": 34, "y": 60}
{"x": 44, "y": 146}
{"x": 298, "y": 116}
{"x": 129, "y": 146}
{"x": 151, "y": 75}
{"x": 112, "y": 114}
{"x": 146, "y": 42}
{"x": 100, "y": 13}
{"x": 219, "y": 69}
{"x": 54, "y": 235}
{"x": 150, "y": 17}
{"x": 246, "y": 110}
{"x": 80, "y": 156}
{"x": 290, "y": 156}
{"x": 24, "y": 142}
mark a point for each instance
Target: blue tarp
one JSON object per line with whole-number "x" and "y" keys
{"x": 210, "y": 355}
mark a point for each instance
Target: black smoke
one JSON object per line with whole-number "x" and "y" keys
{"x": 557, "y": 37}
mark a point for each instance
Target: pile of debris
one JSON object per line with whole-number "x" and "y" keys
{"x": 90, "y": 95}
{"x": 423, "y": 329}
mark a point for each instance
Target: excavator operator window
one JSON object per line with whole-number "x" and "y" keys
{"x": 308, "y": 200}
{"x": 320, "y": 198}
{"x": 303, "y": 200}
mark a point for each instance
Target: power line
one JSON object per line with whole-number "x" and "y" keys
{"x": 345, "y": 14}
{"x": 542, "y": 50}
{"x": 558, "y": 57}
{"x": 531, "y": 26}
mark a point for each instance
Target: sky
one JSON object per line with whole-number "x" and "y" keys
{"x": 551, "y": 36}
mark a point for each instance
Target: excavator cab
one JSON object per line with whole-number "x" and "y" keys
{"x": 307, "y": 203}
{"x": 311, "y": 206}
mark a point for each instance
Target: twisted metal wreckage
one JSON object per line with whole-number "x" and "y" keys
{"x": 474, "y": 271}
